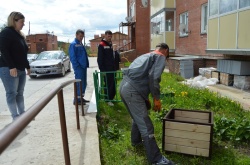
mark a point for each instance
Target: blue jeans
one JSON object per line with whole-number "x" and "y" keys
{"x": 14, "y": 88}
{"x": 81, "y": 74}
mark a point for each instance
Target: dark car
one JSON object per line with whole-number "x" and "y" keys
{"x": 31, "y": 57}
{"x": 50, "y": 63}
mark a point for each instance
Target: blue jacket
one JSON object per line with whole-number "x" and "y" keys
{"x": 78, "y": 55}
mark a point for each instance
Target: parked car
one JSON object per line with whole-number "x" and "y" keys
{"x": 31, "y": 57}
{"x": 50, "y": 63}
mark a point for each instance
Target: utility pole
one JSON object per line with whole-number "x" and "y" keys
{"x": 84, "y": 38}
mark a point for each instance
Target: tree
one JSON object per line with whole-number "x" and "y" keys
{"x": 2, "y": 27}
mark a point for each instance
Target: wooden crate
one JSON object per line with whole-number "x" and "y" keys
{"x": 188, "y": 132}
{"x": 208, "y": 74}
{"x": 216, "y": 74}
{"x": 226, "y": 79}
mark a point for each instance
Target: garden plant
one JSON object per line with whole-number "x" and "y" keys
{"x": 231, "y": 130}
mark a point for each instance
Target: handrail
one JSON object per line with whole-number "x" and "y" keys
{"x": 8, "y": 135}
{"x": 122, "y": 47}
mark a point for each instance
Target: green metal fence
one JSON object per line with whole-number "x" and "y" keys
{"x": 100, "y": 87}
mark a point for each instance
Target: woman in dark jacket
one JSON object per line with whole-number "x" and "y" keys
{"x": 13, "y": 62}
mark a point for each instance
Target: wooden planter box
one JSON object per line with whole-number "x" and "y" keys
{"x": 188, "y": 132}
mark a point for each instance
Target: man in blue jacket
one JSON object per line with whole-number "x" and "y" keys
{"x": 80, "y": 63}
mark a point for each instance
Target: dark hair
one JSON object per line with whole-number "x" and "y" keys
{"x": 79, "y": 31}
{"x": 162, "y": 46}
{"x": 108, "y": 32}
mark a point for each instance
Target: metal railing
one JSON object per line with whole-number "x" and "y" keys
{"x": 8, "y": 135}
{"x": 101, "y": 90}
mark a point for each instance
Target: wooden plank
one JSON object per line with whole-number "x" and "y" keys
{"x": 187, "y": 142}
{"x": 187, "y": 134}
{"x": 188, "y": 127}
{"x": 191, "y": 119}
{"x": 190, "y": 114}
{"x": 187, "y": 150}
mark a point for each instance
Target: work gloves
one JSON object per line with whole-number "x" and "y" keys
{"x": 157, "y": 105}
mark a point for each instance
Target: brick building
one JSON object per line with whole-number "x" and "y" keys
{"x": 189, "y": 16}
{"x": 138, "y": 25}
{"x": 117, "y": 38}
{"x": 41, "y": 42}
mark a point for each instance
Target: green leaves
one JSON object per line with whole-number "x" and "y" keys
{"x": 236, "y": 130}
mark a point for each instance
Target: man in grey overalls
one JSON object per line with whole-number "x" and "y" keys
{"x": 142, "y": 78}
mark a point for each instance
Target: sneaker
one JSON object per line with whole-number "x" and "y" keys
{"x": 110, "y": 104}
{"x": 164, "y": 161}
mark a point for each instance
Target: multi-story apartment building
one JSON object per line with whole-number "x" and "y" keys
{"x": 206, "y": 30}
{"x": 138, "y": 25}
{"x": 228, "y": 27}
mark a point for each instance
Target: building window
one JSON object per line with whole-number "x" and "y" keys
{"x": 157, "y": 25}
{"x": 244, "y": 3}
{"x": 40, "y": 39}
{"x": 204, "y": 18}
{"x": 132, "y": 10}
{"x": 213, "y": 7}
{"x": 169, "y": 25}
{"x": 169, "y": 20}
{"x": 227, "y": 6}
{"x": 183, "y": 28}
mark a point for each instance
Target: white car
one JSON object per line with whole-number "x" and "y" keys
{"x": 50, "y": 63}
{"x": 31, "y": 57}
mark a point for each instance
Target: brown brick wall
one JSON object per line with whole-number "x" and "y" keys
{"x": 41, "y": 42}
{"x": 195, "y": 43}
{"x": 142, "y": 27}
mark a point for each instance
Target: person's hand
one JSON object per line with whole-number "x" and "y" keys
{"x": 13, "y": 72}
{"x": 28, "y": 72}
{"x": 157, "y": 105}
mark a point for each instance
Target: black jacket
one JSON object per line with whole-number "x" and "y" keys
{"x": 13, "y": 50}
{"x": 105, "y": 58}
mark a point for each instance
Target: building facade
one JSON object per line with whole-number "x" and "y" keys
{"x": 162, "y": 23}
{"x": 41, "y": 42}
{"x": 228, "y": 27}
{"x": 118, "y": 38}
{"x": 138, "y": 24}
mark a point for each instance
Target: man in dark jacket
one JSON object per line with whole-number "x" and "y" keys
{"x": 142, "y": 78}
{"x": 106, "y": 63}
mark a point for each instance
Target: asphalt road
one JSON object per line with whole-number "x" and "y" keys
{"x": 38, "y": 87}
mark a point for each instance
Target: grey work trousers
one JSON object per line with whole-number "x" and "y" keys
{"x": 142, "y": 127}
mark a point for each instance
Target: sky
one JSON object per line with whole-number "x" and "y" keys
{"x": 64, "y": 17}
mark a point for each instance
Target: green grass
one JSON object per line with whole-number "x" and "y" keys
{"x": 231, "y": 127}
